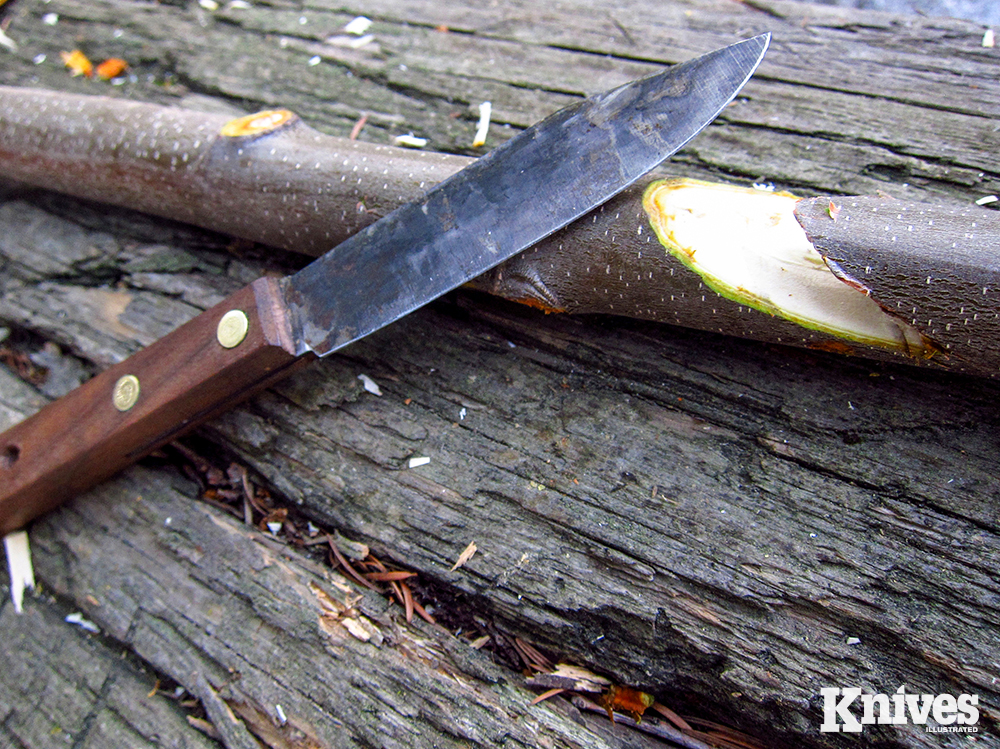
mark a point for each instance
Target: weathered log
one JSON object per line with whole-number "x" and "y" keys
{"x": 727, "y": 525}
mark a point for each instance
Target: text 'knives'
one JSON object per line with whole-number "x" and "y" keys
{"x": 530, "y": 187}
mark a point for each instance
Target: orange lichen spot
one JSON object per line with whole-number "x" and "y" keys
{"x": 77, "y": 63}
{"x": 833, "y": 210}
{"x": 626, "y": 700}
{"x": 257, "y": 124}
{"x": 111, "y": 68}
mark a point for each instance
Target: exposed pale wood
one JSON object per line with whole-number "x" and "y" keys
{"x": 705, "y": 518}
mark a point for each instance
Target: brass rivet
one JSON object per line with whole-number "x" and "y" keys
{"x": 126, "y": 392}
{"x": 233, "y": 328}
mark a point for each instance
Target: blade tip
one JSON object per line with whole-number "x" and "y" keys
{"x": 763, "y": 41}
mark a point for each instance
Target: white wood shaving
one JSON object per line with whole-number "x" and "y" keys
{"x": 274, "y": 527}
{"x": 370, "y": 385}
{"x": 358, "y": 26}
{"x": 280, "y": 713}
{"x": 410, "y": 141}
{"x": 6, "y": 41}
{"x": 417, "y": 462}
{"x": 77, "y": 619}
{"x": 485, "y": 110}
{"x": 989, "y": 38}
{"x": 22, "y": 574}
{"x": 361, "y": 41}
{"x": 987, "y": 200}
{"x": 208, "y": 4}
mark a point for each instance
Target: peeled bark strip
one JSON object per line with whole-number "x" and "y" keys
{"x": 727, "y": 525}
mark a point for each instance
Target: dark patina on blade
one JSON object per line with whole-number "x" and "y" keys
{"x": 518, "y": 194}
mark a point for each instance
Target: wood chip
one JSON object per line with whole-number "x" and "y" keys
{"x": 356, "y": 628}
{"x": 77, "y": 618}
{"x": 77, "y": 63}
{"x": 480, "y": 642}
{"x": 353, "y": 550}
{"x": 358, "y": 26}
{"x": 370, "y": 385}
{"x": 465, "y": 556}
{"x": 22, "y": 574}
{"x": 409, "y": 141}
{"x": 204, "y": 726}
{"x": 485, "y": 110}
{"x": 571, "y": 678}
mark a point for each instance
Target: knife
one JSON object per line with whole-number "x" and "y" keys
{"x": 580, "y": 156}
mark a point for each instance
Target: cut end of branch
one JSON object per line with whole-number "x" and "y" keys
{"x": 747, "y": 245}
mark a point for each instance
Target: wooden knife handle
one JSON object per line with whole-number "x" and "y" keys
{"x": 124, "y": 413}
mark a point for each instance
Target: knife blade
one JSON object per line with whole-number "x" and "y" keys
{"x": 580, "y": 156}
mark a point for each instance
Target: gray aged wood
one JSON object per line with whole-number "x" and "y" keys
{"x": 727, "y": 525}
